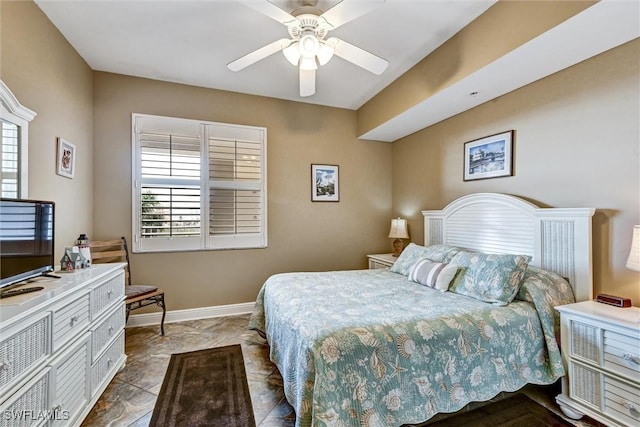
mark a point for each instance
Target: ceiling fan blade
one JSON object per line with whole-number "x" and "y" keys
{"x": 259, "y": 54}
{"x": 307, "y": 82}
{"x": 269, "y": 9}
{"x": 348, "y": 10}
{"x": 370, "y": 62}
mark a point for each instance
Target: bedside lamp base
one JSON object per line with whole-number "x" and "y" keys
{"x": 398, "y": 247}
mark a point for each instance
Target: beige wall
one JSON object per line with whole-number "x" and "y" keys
{"x": 576, "y": 146}
{"x": 49, "y": 77}
{"x": 302, "y": 235}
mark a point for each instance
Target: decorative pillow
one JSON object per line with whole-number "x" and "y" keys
{"x": 412, "y": 253}
{"x": 489, "y": 277}
{"x": 436, "y": 275}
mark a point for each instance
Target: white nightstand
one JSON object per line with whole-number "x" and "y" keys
{"x": 381, "y": 261}
{"x": 601, "y": 352}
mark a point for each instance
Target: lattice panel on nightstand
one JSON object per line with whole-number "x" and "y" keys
{"x": 585, "y": 341}
{"x": 585, "y": 385}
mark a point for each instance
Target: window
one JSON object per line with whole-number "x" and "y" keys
{"x": 198, "y": 185}
{"x": 14, "y": 131}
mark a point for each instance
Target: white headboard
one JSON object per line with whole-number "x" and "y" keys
{"x": 557, "y": 239}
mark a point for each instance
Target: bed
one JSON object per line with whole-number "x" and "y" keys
{"x": 375, "y": 348}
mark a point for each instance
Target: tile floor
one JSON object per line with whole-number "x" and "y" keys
{"x": 128, "y": 401}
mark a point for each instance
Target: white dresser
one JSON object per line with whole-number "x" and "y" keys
{"x": 601, "y": 351}
{"x": 61, "y": 346}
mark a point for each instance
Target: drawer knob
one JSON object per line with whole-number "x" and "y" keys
{"x": 73, "y": 320}
{"x": 110, "y": 330}
{"x": 109, "y": 293}
{"x": 631, "y": 359}
{"x": 4, "y": 366}
{"x": 631, "y": 407}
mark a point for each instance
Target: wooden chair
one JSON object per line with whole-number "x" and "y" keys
{"x": 138, "y": 296}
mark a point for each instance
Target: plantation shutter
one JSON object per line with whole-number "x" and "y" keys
{"x": 198, "y": 185}
{"x": 236, "y": 186}
{"x": 9, "y": 160}
{"x": 169, "y": 188}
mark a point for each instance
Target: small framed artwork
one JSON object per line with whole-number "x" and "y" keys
{"x": 66, "y": 164}
{"x": 489, "y": 157}
{"x": 325, "y": 183}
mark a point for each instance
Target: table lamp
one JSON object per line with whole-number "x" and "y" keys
{"x": 633, "y": 263}
{"x": 398, "y": 232}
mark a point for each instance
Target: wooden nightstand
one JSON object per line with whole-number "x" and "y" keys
{"x": 381, "y": 261}
{"x": 601, "y": 352}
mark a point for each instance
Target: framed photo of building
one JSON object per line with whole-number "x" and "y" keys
{"x": 489, "y": 157}
{"x": 325, "y": 183}
{"x": 66, "y": 158}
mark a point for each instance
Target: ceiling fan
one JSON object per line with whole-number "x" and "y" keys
{"x": 308, "y": 45}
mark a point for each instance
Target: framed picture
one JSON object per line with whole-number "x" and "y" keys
{"x": 489, "y": 157}
{"x": 66, "y": 164}
{"x": 325, "y": 184}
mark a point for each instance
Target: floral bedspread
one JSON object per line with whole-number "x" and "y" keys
{"x": 370, "y": 348}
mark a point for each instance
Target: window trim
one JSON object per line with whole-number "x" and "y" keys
{"x": 205, "y": 242}
{"x": 12, "y": 111}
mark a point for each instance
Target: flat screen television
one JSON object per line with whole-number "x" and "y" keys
{"x": 26, "y": 239}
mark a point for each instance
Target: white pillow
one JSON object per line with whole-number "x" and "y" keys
{"x": 436, "y": 275}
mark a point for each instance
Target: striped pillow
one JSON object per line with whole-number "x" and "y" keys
{"x": 436, "y": 275}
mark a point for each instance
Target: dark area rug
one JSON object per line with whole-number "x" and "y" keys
{"x": 205, "y": 388}
{"x": 515, "y": 411}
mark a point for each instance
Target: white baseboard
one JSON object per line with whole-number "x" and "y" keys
{"x": 173, "y": 316}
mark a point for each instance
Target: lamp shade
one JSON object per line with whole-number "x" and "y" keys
{"x": 398, "y": 229}
{"x": 325, "y": 53}
{"x": 633, "y": 263}
{"x": 292, "y": 53}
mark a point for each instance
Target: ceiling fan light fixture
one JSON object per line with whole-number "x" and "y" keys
{"x": 309, "y": 45}
{"x": 325, "y": 53}
{"x": 292, "y": 53}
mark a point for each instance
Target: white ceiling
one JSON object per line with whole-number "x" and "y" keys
{"x": 191, "y": 42}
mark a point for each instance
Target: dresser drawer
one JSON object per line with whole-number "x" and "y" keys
{"x": 622, "y": 355}
{"x": 26, "y": 406}
{"x": 109, "y": 361}
{"x": 70, "y": 320}
{"x": 70, "y": 382}
{"x": 22, "y": 348}
{"x": 621, "y": 401}
{"x": 103, "y": 333}
{"x": 106, "y": 293}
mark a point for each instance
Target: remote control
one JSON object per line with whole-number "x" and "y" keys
{"x": 14, "y": 292}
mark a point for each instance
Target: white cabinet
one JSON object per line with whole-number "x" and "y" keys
{"x": 60, "y": 347}
{"x": 601, "y": 351}
{"x": 381, "y": 261}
